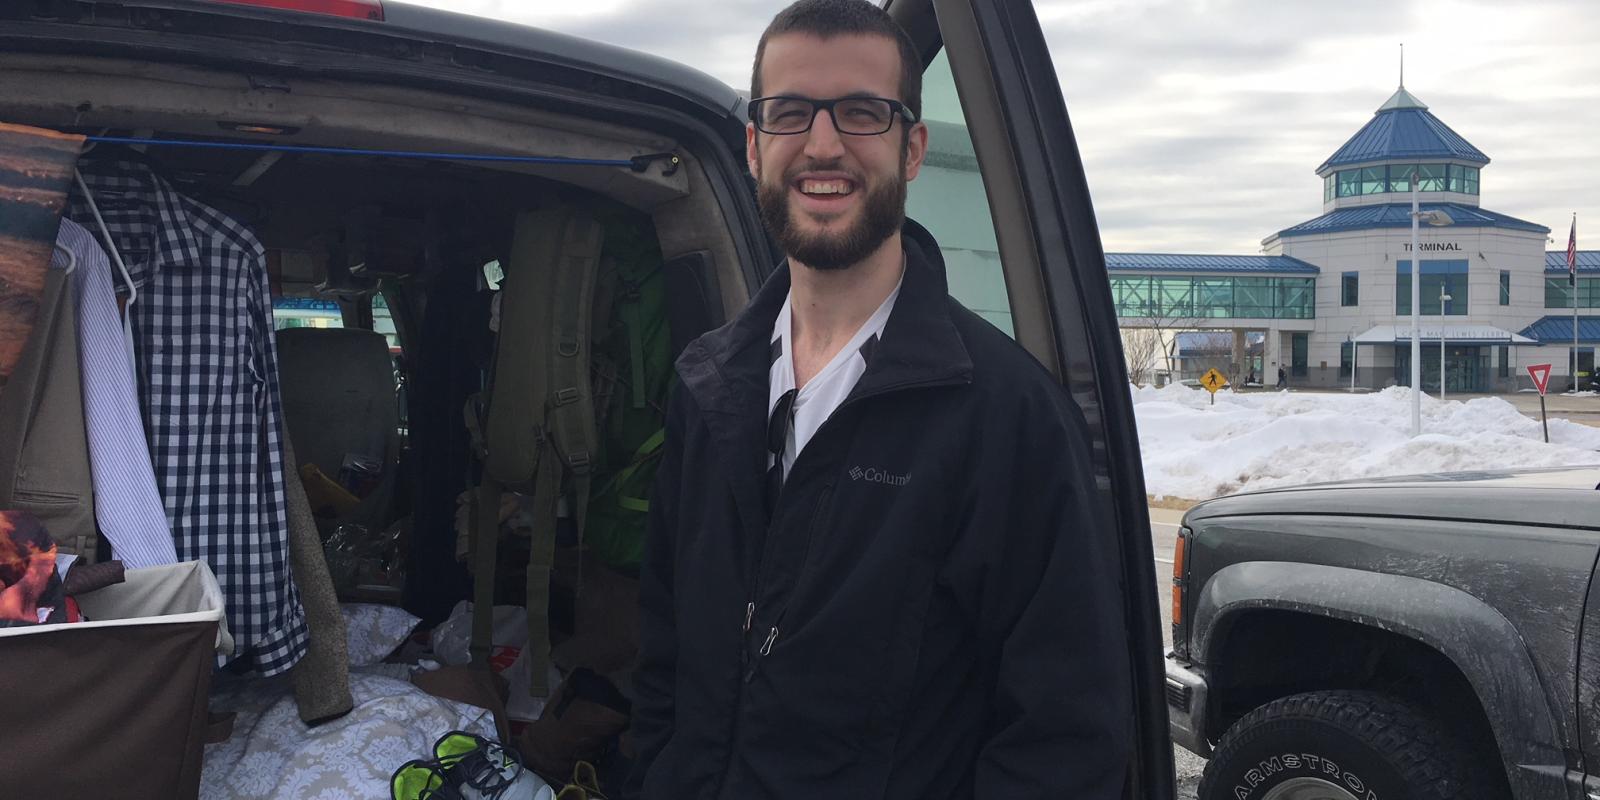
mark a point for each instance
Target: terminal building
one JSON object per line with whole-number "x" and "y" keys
{"x": 1329, "y": 300}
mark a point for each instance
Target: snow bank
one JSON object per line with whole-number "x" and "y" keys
{"x": 1263, "y": 439}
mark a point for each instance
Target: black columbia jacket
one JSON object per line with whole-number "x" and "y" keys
{"x": 931, "y": 612}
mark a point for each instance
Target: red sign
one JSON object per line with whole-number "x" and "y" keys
{"x": 1541, "y": 376}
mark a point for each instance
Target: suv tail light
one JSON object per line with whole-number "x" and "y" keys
{"x": 354, "y": 9}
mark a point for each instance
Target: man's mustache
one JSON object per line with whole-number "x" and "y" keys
{"x": 794, "y": 172}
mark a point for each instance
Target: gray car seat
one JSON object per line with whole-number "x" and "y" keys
{"x": 339, "y": 402}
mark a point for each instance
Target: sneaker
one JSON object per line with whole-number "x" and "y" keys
{"x": 468, "y": 767}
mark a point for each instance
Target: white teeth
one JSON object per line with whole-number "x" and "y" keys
{"x": 825, "y": 187}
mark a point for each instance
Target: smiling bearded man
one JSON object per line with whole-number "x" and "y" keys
{"x": 873, "y": 570}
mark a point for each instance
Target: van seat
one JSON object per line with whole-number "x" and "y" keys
{"x": 338, "y": 391}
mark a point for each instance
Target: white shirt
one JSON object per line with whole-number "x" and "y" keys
{"x": 128, "y": 504}
{"x": 816, "y": 401}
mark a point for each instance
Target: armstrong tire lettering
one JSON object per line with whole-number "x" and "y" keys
{"x": 1366, "y": 745}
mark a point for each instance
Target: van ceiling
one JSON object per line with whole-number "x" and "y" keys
{"x": 90, "y": 93}
{"x": 85, "y": 93}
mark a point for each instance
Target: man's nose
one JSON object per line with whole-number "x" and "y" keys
{"x": 824, "y": 141}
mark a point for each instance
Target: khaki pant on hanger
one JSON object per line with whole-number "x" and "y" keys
{"x": 44, "y": 451}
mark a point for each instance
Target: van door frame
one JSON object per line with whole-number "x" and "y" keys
{"x": 1060, "y": 294}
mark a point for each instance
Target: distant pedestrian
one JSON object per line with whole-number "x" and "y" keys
{"x": 1283, "y": 379}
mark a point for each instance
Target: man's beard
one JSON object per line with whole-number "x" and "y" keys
{"x": 883, "y": 211}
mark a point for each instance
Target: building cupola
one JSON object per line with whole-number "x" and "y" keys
{"x": 1403, "y": 137}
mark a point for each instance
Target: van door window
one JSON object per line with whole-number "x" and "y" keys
{"x": 948, "y": 199}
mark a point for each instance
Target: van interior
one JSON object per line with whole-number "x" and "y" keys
{"x": 384, "y": 268}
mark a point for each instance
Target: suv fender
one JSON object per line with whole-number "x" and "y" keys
{"x": 1479, "y": 640}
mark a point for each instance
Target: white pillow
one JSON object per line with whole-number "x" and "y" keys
{"x": 374, "y": 631}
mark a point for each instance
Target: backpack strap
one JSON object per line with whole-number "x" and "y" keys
{"x": 486, "y": 524}
{"x": 540, "y": 435}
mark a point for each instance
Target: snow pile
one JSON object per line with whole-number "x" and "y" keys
{"x": 1194, "y": 450}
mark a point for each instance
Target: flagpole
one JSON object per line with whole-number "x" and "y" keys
{"x": 1572, "y": 277}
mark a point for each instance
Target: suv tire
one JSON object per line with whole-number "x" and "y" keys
{"x": 1341, "y": 745}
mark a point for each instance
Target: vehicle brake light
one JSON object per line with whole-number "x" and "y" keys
{"x": 1177, "y": 578}
{"x": 354, "y": 9}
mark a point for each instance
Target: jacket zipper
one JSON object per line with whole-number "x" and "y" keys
{"x": 747, "y": 665}
{"x": 755, "y": 589}
{"x": 772, "y": 633}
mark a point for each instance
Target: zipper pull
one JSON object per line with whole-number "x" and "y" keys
{"x": 749, "y": 613}
{"x": 766, "y": 648}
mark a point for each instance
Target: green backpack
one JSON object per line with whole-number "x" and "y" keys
{"x": 633, "y": 370}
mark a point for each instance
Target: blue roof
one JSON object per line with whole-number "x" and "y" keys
{"x": 1177, "y": 262}
{"x": 1398, "y": 215}
{"x": 1557, "y": 329}
{"x": 1404, "y": 134}
{"x": 1556, "y": 260}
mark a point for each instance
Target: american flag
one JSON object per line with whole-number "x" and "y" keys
{"x": 1572, "y": 251}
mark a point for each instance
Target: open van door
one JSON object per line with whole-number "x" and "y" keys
{"x": 1003, "y": 191}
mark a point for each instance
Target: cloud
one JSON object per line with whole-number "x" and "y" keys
{"x": 1200, "y": 122}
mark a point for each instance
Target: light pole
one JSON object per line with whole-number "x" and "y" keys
{"x": 1433, "y": 218}
{"x": 1350, "y": 336}
{"x": 1443, "y": 298}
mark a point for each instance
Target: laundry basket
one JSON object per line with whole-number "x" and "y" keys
{"x": 114, "y": 706}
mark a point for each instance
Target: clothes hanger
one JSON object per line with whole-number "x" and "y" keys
{"x": 116, "y": 256}
{"x": 72, "y": 258}
{"x": 111, "y": 246}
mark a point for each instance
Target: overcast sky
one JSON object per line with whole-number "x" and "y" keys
{"x": 1200, "y": 121}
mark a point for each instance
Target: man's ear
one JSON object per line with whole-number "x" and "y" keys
{"x": 752, "y": 151}
{"x": 916, "y": 149}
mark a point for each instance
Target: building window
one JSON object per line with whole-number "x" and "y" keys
{"x": 1344, "y": 358}
{"x": 1463, "y": 179}
{"x": 1297, "y": 298}
{"x": 1179, "y": 298}
{"x": 1349, "y": 183}
{"x": 1350, "y": 289}
{"x": 1430, "y": 177}
{"x": 1558, "y": 293}
{"x": 1373, "y": 180}
{"x": 1213, "y": 297}
{"x": 1328, "y": 188}
{"x": 1396, "y": 179}
{"x": 1505, "y": 361}
{"x": 1299, "y": 348}
{"x": 1400, "y": 177}
{"x": 1505, "y": 287}
{"x": 1448, "y": 276}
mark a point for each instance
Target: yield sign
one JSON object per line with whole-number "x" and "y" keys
{"x": 1541, "y": 376}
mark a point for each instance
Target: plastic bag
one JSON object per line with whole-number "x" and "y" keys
{"x": 453, "y": 637}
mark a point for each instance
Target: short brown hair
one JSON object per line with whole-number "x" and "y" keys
{"x": 829, "y": 18}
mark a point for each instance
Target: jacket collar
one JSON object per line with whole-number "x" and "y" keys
{"x": 726, "y": 370}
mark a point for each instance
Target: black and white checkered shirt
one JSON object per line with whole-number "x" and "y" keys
{"x": 208, "y": 375}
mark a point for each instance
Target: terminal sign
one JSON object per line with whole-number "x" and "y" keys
{"x": 1541, "y": 377}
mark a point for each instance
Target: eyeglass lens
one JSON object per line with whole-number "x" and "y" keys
{"x": 865, "y": 116}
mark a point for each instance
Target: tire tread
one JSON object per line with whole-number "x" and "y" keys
{"x": 1429, "y": 759}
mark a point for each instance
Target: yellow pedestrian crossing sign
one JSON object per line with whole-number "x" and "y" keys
{"x": 1213, "y": 380}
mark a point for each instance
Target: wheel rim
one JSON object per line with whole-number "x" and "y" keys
{"x": 1308, "y": 789}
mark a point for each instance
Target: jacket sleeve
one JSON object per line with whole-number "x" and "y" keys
{"x": 656, "y": 672}
{"x": 1051, "y": 612}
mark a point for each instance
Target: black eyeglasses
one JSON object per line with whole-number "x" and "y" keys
{"x": 857, "y": 116}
